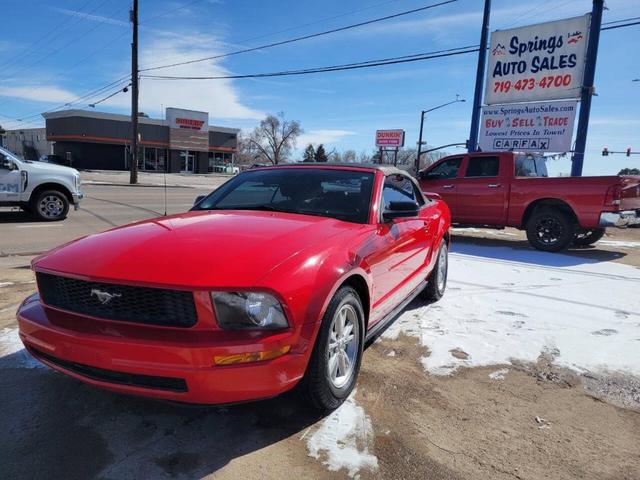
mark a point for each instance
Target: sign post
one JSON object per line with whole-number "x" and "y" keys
{"x": 587, "y": 89}
{"x": 477, "y": 96}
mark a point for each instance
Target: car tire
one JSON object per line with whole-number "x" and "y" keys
{"x": 50, "y": 206}
{"x": 437, "y": 281}
{"x": 587, "y": 236}
{"x": 335, "y": 361}
{"x": 550, "y": 229}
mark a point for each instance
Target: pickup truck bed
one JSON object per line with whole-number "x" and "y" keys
{"x": 499, "y": 189}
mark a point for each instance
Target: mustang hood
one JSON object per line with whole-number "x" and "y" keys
{"x": 195, "y": 249}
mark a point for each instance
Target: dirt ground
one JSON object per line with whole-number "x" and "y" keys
{"x": 526, "y": 421}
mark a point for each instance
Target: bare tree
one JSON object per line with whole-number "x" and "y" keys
{"x": 275, "y": 137}
{"x": 349, "y": 156}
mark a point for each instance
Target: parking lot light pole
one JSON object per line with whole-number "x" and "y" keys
{"x": 422, "y": 114}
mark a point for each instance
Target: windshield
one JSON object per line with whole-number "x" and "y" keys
{"x": 341, "y": 194}
{"x": 530, "y": 165}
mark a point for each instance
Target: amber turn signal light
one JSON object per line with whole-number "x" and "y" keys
{"x": 251, "y": 356}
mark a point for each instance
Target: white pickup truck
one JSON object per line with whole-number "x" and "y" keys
{"x": 42, "y": 189}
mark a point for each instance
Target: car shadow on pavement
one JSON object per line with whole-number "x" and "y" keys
{"x": 53, "y": 426}
{"x": 17, "y": 216}
{"x": 520, "y": 251}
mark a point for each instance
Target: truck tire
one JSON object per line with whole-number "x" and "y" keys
{"x": 550, "y": 229}
{"x": 335, "y": 362}
{"x": 437, "y": 282}
{"x": 50, "y": 206}
{"x": 587, "y": 236}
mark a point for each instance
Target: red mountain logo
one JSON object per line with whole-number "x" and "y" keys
{"x": 573, "y": 38}
{"x": 499, "y": 50}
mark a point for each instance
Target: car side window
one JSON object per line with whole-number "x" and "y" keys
{"x": 398, "y": 188}
{"x": 447, "y": 169}
{"x": 483, "y": 167}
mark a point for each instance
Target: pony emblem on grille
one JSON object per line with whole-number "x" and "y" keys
{"x": 104, "y": 297}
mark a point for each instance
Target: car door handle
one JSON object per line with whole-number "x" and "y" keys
{"x": 494, "y": 185}
{"x": 447, "y": 186}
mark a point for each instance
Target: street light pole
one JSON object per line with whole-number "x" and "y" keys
{"x": 422, "y": 113}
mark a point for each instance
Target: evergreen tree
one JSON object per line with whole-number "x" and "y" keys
{"x": 321, "y": 155}
{"x": 309, "y": 154}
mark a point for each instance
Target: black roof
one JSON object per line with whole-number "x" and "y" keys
{"x": 386, "y": 169}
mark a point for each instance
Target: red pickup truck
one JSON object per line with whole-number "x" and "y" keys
{"x": 500, "y": 189}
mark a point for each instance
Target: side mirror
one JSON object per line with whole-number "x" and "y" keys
{"x": 6, "y": 164}
{"x": 400, "y": 210}
{"x": 198, "y": 199}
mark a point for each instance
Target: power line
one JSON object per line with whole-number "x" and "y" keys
{"x": 304, "y": 25}
{"x": 331, "y": 68}
{"x": 125, "y": 89}
{"x": 347, "y": 66}
{"x": 304, "y": 37}
{"x": 53, "y": 52}
{"x": 31, "y": 46}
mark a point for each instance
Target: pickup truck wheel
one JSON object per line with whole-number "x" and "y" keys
{"x": 335, "y": 362}
{"x": 437, "y": 282}
{"x": 588, "y": 236}
{"x": 550, "y": 229}
{"x": 50, "y": 206}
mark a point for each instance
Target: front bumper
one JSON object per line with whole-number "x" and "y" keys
{"x": 620, "y": 219}
{"x": 76, "y": 199}
{"x": 176, "y": 367}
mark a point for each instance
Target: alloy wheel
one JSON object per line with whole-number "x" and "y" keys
{"x": 343, "y": 345}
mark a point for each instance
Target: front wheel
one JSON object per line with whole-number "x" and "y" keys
{"x": 335, "y": 362}
{"x": 437, "y": 282}
{"x": 550, "y": 229}
{"x": 50, "y": 206}
{"x": 588, "y": 236}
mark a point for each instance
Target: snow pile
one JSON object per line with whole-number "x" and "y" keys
{"x": 499, "y": 374}
{"x": 504, "y": 304}
{"x": 345, "y": 437}
{"x": 12, "y": 352}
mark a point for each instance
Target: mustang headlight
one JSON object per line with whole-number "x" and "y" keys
{"x": 248, "y": 310}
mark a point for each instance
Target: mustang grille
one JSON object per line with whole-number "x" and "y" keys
{"x": 151, "y": 306}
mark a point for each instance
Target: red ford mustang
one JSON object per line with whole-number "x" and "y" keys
{"x": 275, "y": 279}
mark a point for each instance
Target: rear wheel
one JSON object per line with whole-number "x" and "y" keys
{"x": 50, "y": 205}
{"x": 588, "y": 236}
{"x": 335, "y": 362}
{"x": 550, "y": 229}
{"x": 437, "y": 282}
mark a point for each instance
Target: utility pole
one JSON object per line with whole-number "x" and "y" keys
{"x": 587, "y": 88}
{"x": 133, "y": 177}
{"x": 477, "y": 96}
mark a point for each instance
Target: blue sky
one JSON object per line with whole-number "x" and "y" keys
{"x": 90, "y": 47}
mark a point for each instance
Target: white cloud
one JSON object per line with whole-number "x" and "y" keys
{"x": 324, "y": 136}
{"x": 38, "y": 93}
{"x": 218, "y": 97}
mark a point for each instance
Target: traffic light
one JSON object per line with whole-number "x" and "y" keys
{"x": 605, "y": 152}
{"x": 628, "y": 152}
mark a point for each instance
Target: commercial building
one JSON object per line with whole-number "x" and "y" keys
{"x": 29, "y": 143}
{"x": 183, "y": 142}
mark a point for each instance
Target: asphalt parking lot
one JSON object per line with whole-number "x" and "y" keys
{"x": 528, "y": 368}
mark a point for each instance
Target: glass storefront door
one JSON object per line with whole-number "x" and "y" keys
{"x": 187, "y": 160}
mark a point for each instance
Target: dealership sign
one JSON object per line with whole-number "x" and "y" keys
{"x": 188, "y": 129}
{"x": 537, "y": 62}
{"x": 531, "y": 127}
{"x": 389, "y": 138}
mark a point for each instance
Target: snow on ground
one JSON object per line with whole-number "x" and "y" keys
{"x": 503, "y": 304}
{"x": 344, "y": 439}
{"x": 12, "y": 352}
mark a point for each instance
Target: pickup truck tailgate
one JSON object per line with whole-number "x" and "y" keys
{"x": 630, "y": 193}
